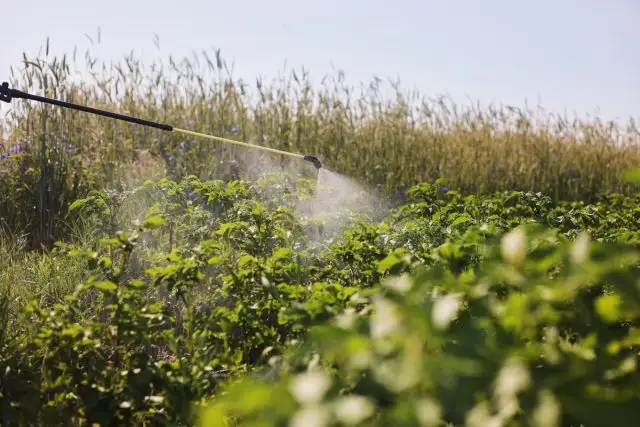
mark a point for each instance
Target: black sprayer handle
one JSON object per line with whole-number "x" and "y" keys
{"x": 7, "y": 94}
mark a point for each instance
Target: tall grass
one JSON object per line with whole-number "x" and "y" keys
{"x": 51, "y": 156}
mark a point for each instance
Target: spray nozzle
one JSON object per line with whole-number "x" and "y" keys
{"x": 313, "y": 160}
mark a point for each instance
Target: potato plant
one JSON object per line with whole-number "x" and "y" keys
{"x": 221, "y": 303}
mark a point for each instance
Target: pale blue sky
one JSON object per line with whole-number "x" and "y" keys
{"x": 580, "y": 55}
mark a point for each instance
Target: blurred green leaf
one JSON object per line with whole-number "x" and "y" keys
{"x": 631, "y": 175}
{"x": 153, "y": 222}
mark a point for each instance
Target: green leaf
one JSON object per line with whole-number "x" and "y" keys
{"x": 245, "y": 259}
{"x": 106, "y": 285}
{"x": 388, "y": 263}
{"x": 213, "y": 416}
{"x": 282, "y": 252}
{"x": 77, "y": 204}
{"x": 105, "y": 262}
{"x": 608, "y": 307}
{"x": 461, "y": 219}
{"x": 72, "y": 331}
{"x": 137, "y": 284}
{"x": 631, "y": 175}
{"x": 153, "y": 222}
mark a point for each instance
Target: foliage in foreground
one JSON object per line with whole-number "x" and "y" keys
{"x": 227, "y": 306}
{"x": 503, "y": 344}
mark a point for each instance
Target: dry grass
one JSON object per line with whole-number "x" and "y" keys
{"x": 391, "y": 144}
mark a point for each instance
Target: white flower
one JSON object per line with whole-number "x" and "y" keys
{"x": 579, "y": 251}
{"x": 401, "y": 284}
{"x": 354, "y": 409}
{"x": 514, "y": 246}
{"x": 428, "y": 412}
{"x": 480, "y": 416}
{"x": 155, "y": 399}
{"x": 547, "y": 413}
{"x": 312, "y": 416}
{"x": 512, "y": 378}
{"x": 310, "y": 386}
{"x": 347, "y": 319}
{"x": 445, "y": 310}
{"x": 385, "y": 319}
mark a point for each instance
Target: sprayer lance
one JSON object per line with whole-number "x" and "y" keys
{"x": 7, "y": 94}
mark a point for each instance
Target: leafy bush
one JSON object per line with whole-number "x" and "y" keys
{"x": 222, "y": 303}
{"x": 506, "y": 343}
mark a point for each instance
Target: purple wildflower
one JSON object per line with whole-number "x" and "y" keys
{"x": 234, "y": 130}
{"x": 444, "y": 188}
{"x": 171, "y": 158}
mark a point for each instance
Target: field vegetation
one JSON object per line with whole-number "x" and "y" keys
{"x": 452, "y": 267}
